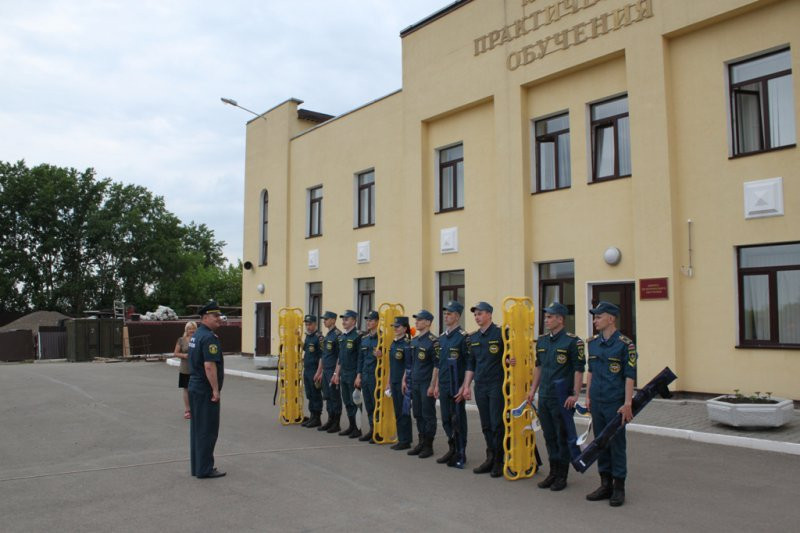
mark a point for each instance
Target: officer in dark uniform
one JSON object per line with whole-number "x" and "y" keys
{"x": 453, "y": 354}
{"x": 485, "y": 363}
{"x": 609, "y": 385}
{"x": 312, "y": 356}
{"x": 365, "y": 371}
{"x": 399, "y": 367}
{"x": 205, "y": 384}
{"x": 330, "y": 358}
{"x": 425, "y": 355}
{"x": 559, "y": 355}
{"x": 345, "y": 375}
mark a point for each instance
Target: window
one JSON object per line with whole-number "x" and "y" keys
{"x": 762, "y": 103}
{"x": 365, "y": 299}
{"x": 552, "y": 153}
{"x": 451, "y": 287}
{"x": 315, "y": 211}
{"x": 365, "y": 199}
{"x": 451, "y": 178}
{"x": 557, "y": 284}
{"x": 264, "y": 217}
{"x": 611, "y": 139}
{"x": 315, "y": 299}
{"x": 769, "y": 295}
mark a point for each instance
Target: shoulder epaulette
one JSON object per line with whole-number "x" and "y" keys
{"x": 431, "y": 336}
{"x": 571, "y": 334}
{"x": 593, "y": 337}
{"x": 625, "y": 339}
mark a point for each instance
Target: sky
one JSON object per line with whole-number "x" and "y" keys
{"x": 132, "y": 88}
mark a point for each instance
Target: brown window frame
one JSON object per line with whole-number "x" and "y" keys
{"x": 315, "y": 300}
{"x": 551, "y": 136}
{"x": 561, "y": 284}
{"x": 605, "y": 122}
{"x": 314, "y": 206}
{"x": 370, "y": 188}
{"x": 764, "y": 116}
{"x": 264, "y": 226}
{"x": 364, "y": 307}
{"x": 451, "y": 292}
{"x": 442, "y": 166}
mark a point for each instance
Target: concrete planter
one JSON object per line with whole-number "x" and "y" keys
{"x": 750, "y": 414}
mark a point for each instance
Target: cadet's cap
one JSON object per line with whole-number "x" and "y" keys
{"x": 557, "y": 308}
{"x": 310, "y": 318}
{"x": 211, "y": 307}
{"x": 372, "y": 315}
{"x": 349, "y": 313}
{"x": 481, "y": 306}
{"x": 400, "y": 321}
{"x": 454, "y": 307}
{"x": 424, "y": 314}
{"x": 329, "y": 314}
{"x": 605, "y": 307}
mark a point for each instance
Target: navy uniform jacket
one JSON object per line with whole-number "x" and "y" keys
{"x": 453, "y": 355}
{"x": 204, "y": 347}
{"x": 330, "y": 349}
{"x": 486, "y": 355}
{"x": 559, "y": 356}
{"x": 399, "y": 360}
{"x": 366, "y": 357}
{"x": 425, "y": 353}
{"x": 611, "y": 362}
{"x": 312, "y": 350}
{"x": 349, "y": 344}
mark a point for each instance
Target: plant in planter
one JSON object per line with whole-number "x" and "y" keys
{"x": 756, "y": 410}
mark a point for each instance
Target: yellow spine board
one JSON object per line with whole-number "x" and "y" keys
{"x": 519, "y": 443}
{"x": 290, "y": 365}
{"x": 383, "y": 421}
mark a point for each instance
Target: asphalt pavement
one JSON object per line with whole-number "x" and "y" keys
{"x": 104, "y": 447}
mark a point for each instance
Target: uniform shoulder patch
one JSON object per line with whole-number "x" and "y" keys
{"x": 212, "y": 349}
{"x": 625, "y": 339}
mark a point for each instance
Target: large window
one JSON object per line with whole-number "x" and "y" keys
{"x": 762, "y": 103}
{"x": 451, "y": 288}
{"x": 315, "y": 211}
{"x": 315, "y": 299}
{"x": 365, "y": 296}
{"x": 365, "y": 199}
{"x": 557, "y": 284}
{"x": 264, "y": 219}
{"x": 769, "y": 295}
{"x": 552, "y": 153}
{"x": 451, "y": 178}
{"x": 611, "y": 139}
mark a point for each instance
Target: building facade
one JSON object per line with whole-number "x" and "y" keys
{"x": 638, "y": 151}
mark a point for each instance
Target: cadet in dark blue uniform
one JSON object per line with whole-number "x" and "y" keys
{"x": 425, "y": 354}
{"x": 453, "y": 354}
{"x": 609, "y": 385}
{"x": 205, "y": 384}
{"x": 312, "y": 376}
{"x": 485, "y": 363}
{"x": 559, "y": 355}
{"x": 399, "y": 366}
{"x": 365, "y": 371}
{"x": 330, "y": 358}
{"x": 345, "y": 375}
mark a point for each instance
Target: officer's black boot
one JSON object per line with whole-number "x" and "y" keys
{"x": 547, "y": 482}
{"x": 418, "y": 448}
{"x": 400, "y": 446}
{"x": 350, "y": 428}
{"x": 451, "y": 451}
{"x": 327, "y": 425}
{"x": 304, "y": 423}
{"x": 427, "y": 448}
{"x": 560, "y": 482}
{"x": 497, "y": 464}
{"x": 356, "y": 432}
{"x": 335, "y": 427}
{"x": 367, "y": 436}
{"x": 604, "y": 492}
{"x": 485, "y": 466}
{"x": 457, "y": 460}
{"x": 618, "y": 494}
{"x": 314, "y": 422}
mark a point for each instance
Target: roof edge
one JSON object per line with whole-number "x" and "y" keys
{"x": 435, "y": 16}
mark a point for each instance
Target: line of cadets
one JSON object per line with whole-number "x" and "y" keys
{"x": 426, "y": 368}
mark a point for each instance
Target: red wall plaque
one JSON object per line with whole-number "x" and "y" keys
{"x": 653, "y": 289}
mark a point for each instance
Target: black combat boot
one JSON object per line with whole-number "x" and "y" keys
{"x": 335, "y": 427}
{"x": 497, "y": 464}
{"x": 350, "y": 428}
{"x": 304, "y": 423}
{"x": 604, "y": 492}
{"x": 485, "y": 466}
{"x": 561, "y": 480}
{"x": 547, "y": 482}
{"x": 458, "y": 459}
{"x": 618, "y": 494}
{"x": 327, "y": 425}
{"x": 427, "y": 448}
{"x": 356, "y": 432}
{"x": 400, "y": 446}
{"x": 451, "y": 451}
{"x": 367, "y": 436}
{"x": 314, "y": 421}
{"x": 418, "y": 448}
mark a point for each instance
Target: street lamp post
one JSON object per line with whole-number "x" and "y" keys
{"x": 234, "y": 103}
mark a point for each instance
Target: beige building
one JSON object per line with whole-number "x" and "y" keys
{"x": 638, "y": 151}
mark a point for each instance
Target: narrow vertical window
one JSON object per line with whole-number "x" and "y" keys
{"x": 315, "y": 211}
{"x": 315, "y": 299}
{"x": 365, "y": 296}
{"x": 365, "y": 199}
{"x": 611, "y": 139}
{"x": 552, "y": 153}
{"x": 557, "y": 284}
{"x": 451, "y": 288}
{"x": 451, "y": 178}
{"x": 264, "y": 221}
